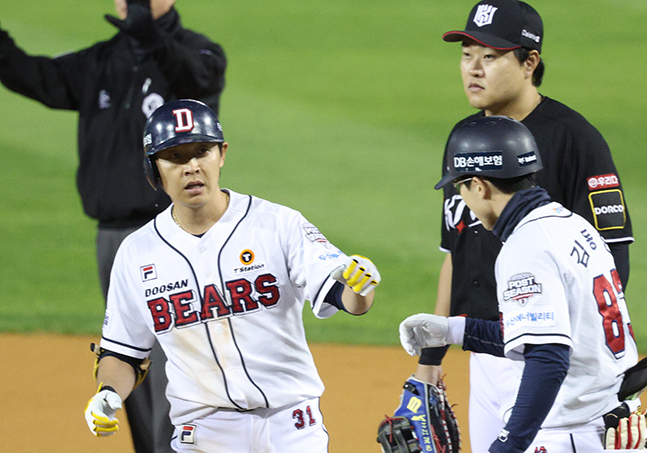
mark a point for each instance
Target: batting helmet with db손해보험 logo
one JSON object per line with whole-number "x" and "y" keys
{"x": 176, "y": 123}
{"x": 491, "y": 146}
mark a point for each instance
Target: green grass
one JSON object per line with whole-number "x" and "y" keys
{"x": 339, "y": 109}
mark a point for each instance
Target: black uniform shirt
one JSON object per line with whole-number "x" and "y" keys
{"x": 578, "y": 172}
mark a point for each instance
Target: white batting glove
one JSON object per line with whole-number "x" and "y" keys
{"x": 359, "y": 273}
{"x": 100, "y": 413}
{"x": 630, "y": 433}
{"x": 423, "y": 331}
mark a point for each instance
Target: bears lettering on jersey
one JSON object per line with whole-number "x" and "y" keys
{"x": 179, "y": 309}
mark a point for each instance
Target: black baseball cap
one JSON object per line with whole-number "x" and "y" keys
{"x": 502, "y": 25}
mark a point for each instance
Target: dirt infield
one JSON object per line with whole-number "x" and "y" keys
{"x": 46, "y": 381}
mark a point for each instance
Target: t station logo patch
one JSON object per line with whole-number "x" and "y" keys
{"x": 247, "y": 258}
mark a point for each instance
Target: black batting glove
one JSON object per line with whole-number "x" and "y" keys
{"x": 140, "y": 25}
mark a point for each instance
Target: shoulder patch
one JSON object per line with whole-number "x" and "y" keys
{"x": 608, "y": 208}
{"x": 603, "y": 182}
{"x": 521, "y": 287}
{"x": 313, "y": 234}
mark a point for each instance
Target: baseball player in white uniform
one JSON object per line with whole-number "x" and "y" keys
{"x": 564, "y": 320}
{"x": 220, "y": 280}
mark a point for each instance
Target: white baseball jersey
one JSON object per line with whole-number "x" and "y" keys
{"x": 225, "y": 307}
{"x": 557, "y": 283}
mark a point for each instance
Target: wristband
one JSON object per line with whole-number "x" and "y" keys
{"x": 433, "y": 356}
{"x": 107, "y": 387}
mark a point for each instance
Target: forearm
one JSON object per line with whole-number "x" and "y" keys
{"x": 117, "y": 374}
{"x": 620, "y": 252}
{"x": 428, "y": 368}
{"x": 544, "y": 371}
{"x": 444, "y": 294}
{"x": 484, "y": 337}
{"x": 354, "y": 303}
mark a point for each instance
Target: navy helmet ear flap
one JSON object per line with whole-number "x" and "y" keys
{"x": 152, "y": 172}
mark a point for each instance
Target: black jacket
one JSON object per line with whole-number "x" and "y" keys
{"x": 115, "y": 85}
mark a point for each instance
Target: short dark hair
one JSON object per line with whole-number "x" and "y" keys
{"x": 510, "y": 185}
{"x": 522, "y": 54}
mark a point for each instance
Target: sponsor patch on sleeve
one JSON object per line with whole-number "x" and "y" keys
{"x": 541, "y": 317}
{"x": 608, "y": 209}
{"x": 148, "y": 272}
{"x": 106, "y": 319}
{"x": 521, "y": 287}
{"x": 187, "y": 434}
{"x": 313, "y": 234}
{"x": 603, "y": 182}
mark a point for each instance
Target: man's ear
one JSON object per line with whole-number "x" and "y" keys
{"x": 483, "y": 187}
{"x": 531, "y": 62}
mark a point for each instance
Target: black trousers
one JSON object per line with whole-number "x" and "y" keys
{"x": 146, "y": 407}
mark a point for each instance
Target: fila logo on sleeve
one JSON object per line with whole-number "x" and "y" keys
{"x": 148, "y": 272}
{"x": 187, "y": 434}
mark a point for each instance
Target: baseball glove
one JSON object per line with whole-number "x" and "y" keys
{"x": 424, "y": 422}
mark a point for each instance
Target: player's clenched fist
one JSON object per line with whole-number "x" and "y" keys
{"x": 100, "y": 413}
{"x": 423, "y": 331}
{"x": 359, "y": 273}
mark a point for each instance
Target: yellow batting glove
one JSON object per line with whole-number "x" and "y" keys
{"x": 359, "y": 273}
{"x": 100, "y": 412}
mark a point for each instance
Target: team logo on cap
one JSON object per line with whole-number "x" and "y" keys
{"x": 184, "y": 120}
{"x": 484, "y": 15}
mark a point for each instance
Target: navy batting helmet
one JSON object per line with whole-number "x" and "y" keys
{"x": 176, "y": 123}
{"x": 494, "y": 146}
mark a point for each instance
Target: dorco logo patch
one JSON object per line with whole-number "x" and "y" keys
{"x": 608, "y": 208}
{"x": 521, "y": 288}
{"x": 603, "y": 182}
